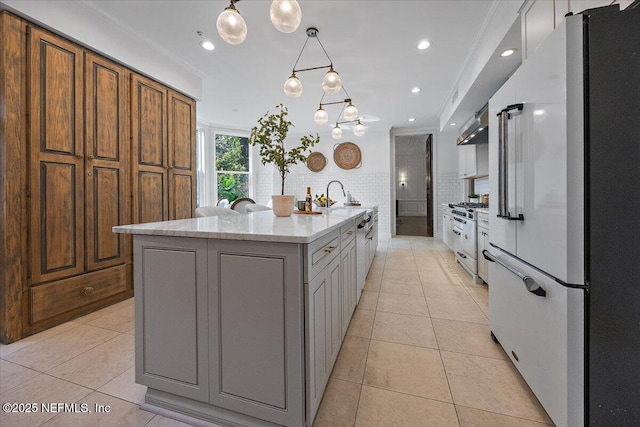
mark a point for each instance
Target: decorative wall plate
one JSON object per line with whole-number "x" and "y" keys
{"x": 347, "y": 155}
{"x": 316, "y": 161}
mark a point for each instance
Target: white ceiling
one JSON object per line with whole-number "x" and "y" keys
{"x": 372, "y": 44}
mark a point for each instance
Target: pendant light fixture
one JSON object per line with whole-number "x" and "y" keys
{"x": 331, "y": 83}
{"x": 358, "y": 130}
{"x": 321, "y": 117}
{"x": 336, "y": 133}
{"x": 351, "y": 112}
{"x": 285, "y": 15}
{"x": 231, "y": 25}
{"x": 293, "y": 86}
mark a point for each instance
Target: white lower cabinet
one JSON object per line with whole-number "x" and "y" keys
{"x": 483, "y": 243}
{"x": 348, "y": 266}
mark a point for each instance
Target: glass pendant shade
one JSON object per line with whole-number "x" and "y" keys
{"x": 351, "y": 112}
{"x": 336, "y": 133}
{"x": 285, "y": 15}
{"x": 331, "y": 82}
{"x": 321, "y": 117}
{"x": 293, "y": 86}
{"x": 358, "y": 130}
{"x": 231, "y": 26}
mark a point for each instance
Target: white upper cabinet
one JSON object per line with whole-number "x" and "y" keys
{"x": 473, "y": 160}
{"x": 541, "y": 17}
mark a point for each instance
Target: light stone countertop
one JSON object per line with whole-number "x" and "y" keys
{"x": 262, "y": 226}
{"x": 482, "y": 210}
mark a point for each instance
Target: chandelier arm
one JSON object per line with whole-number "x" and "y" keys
{"x": 341, "y": 111}
{"x": 333, "y": 103}
{"x": 347, "y": 121}
{"x": 300, "y": 54}
{"x": 324, "y": 50}
{"x": 345, "y": 91}
{"x": 309, "y": 69}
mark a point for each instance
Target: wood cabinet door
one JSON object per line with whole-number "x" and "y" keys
{"x": 149, "y": 150}
{"x": 106, "y": 149}
{"x": 57, "y": 157}
{"x": 182, "y": 156}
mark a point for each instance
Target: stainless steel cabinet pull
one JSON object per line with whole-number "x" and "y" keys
{"x": 529, "y": 283}
{"x": 462, "y": 255}
{"x": 350, "y": 232}
{"x": 330, "y": 249}
{"x": 457, "y": 232}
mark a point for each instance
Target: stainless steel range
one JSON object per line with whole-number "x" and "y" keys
{"x": 465, "y": 237}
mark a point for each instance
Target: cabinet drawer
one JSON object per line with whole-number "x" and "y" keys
{"x": 65, "y": 295}
{"x": 483, "y": 219}
{"x": 348, "y": 233}
{"x": 319, "y": 253}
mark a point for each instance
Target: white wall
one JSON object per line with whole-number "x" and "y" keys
{"x": 450, "y": 188}
{"x": 87, "y": 26}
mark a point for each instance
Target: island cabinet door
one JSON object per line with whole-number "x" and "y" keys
{"x": 172, "y": 351}
{"x": 348, "y": 268}
{"x": 256, "y": 335}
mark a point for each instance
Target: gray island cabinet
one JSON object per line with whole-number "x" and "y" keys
{"x": 239, "y": 318}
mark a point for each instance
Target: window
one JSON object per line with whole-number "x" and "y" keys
{"x": 232, "y": 166}
{"x": 224, "y": 166}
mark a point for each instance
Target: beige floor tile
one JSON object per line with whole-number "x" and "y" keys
{"x": 368, "y": 300}
{"x": 372, "y": 282}
{"x": 339, "y": 405}
{"x": 160, "y": 421}
{"x": 120, "y": 413}
{"x": 39, "y": 389}
{"x": 361, "y": 323}
{"x": 7, "y": 349}
{"x": 470, "y": 417}
{"x": 401, "y": 276}
{"x": 12, "y": 375}
{"x": 59, "y": 348}
{"x": 120, "y": 320}
{"x": 104, "y": 311}
{"x": 402, "y": 263}
{"x": 384, "y": 408}
{"x": 436, "y": 276}
{"x": 407, "y": 369}
{"x": 99, "y": 365}
{"x": 402, "y": 304}
{"x": 352, "y": 359}
{"x": 124, "y": 387}
{"x": 466, "y": 337}
{"x": 404, "y": 329}
{"x": 402, "y": 288}
{"x": 460, "y": 309}
{"x": 492, "y": 385}
{"x": 453, "y": 293}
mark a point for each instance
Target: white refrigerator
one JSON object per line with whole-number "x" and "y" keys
{"x": 563, "y": 134}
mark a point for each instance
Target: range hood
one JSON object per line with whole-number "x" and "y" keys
{"x": 477, "y": 129}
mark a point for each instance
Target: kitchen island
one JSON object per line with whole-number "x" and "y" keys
{"x": 239, "y": 318}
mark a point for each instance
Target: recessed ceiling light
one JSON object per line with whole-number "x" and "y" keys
{"x": 412, "y": 119}
{"x": 452, "y": 124}
{"x": 415, "y": 90}
{"x": 424, "y": 44}
{"x": 508, "y": 52}
{"x": 207, "y": 45}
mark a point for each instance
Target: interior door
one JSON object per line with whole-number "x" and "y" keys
{"x": 106, "y": 160}
{"x": 57, "y": 158}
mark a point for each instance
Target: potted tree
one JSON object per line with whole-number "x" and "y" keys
{"x": 269, "y": 134}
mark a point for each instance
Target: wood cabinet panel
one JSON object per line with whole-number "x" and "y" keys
{"x": 181, "y": 197}
{"x": 151, "y": 196}
{"x": 106, "y": 162}
{"x": 149, "y": 122}
{"x": 57, "y": 197}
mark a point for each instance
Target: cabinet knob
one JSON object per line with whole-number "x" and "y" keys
{"x": 90, "y": 157}
{"x": 86, "y": 290}
{"x": 79, "y": 156}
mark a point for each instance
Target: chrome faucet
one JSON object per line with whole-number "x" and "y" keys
{"x": 327, "y": 203}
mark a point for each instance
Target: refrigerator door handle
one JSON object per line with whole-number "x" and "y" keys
{"x": 503, "y": 163}
{"x": 529, "y": 282}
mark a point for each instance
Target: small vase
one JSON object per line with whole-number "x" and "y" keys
{"x": 282, "y": 205}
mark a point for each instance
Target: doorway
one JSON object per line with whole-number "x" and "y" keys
{"x": 413, "y": 182}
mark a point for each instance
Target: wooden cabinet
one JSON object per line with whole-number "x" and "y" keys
{"x": 65, "y": 175}
{"x": 163, "y": 142}
{"x": 483, "y": 243}
{"x": 473, "y": 160}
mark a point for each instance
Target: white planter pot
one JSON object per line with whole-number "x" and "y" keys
{"x": 282, "y": 205}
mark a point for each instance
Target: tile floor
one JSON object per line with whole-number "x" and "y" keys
{"x": 417, "y": 353}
